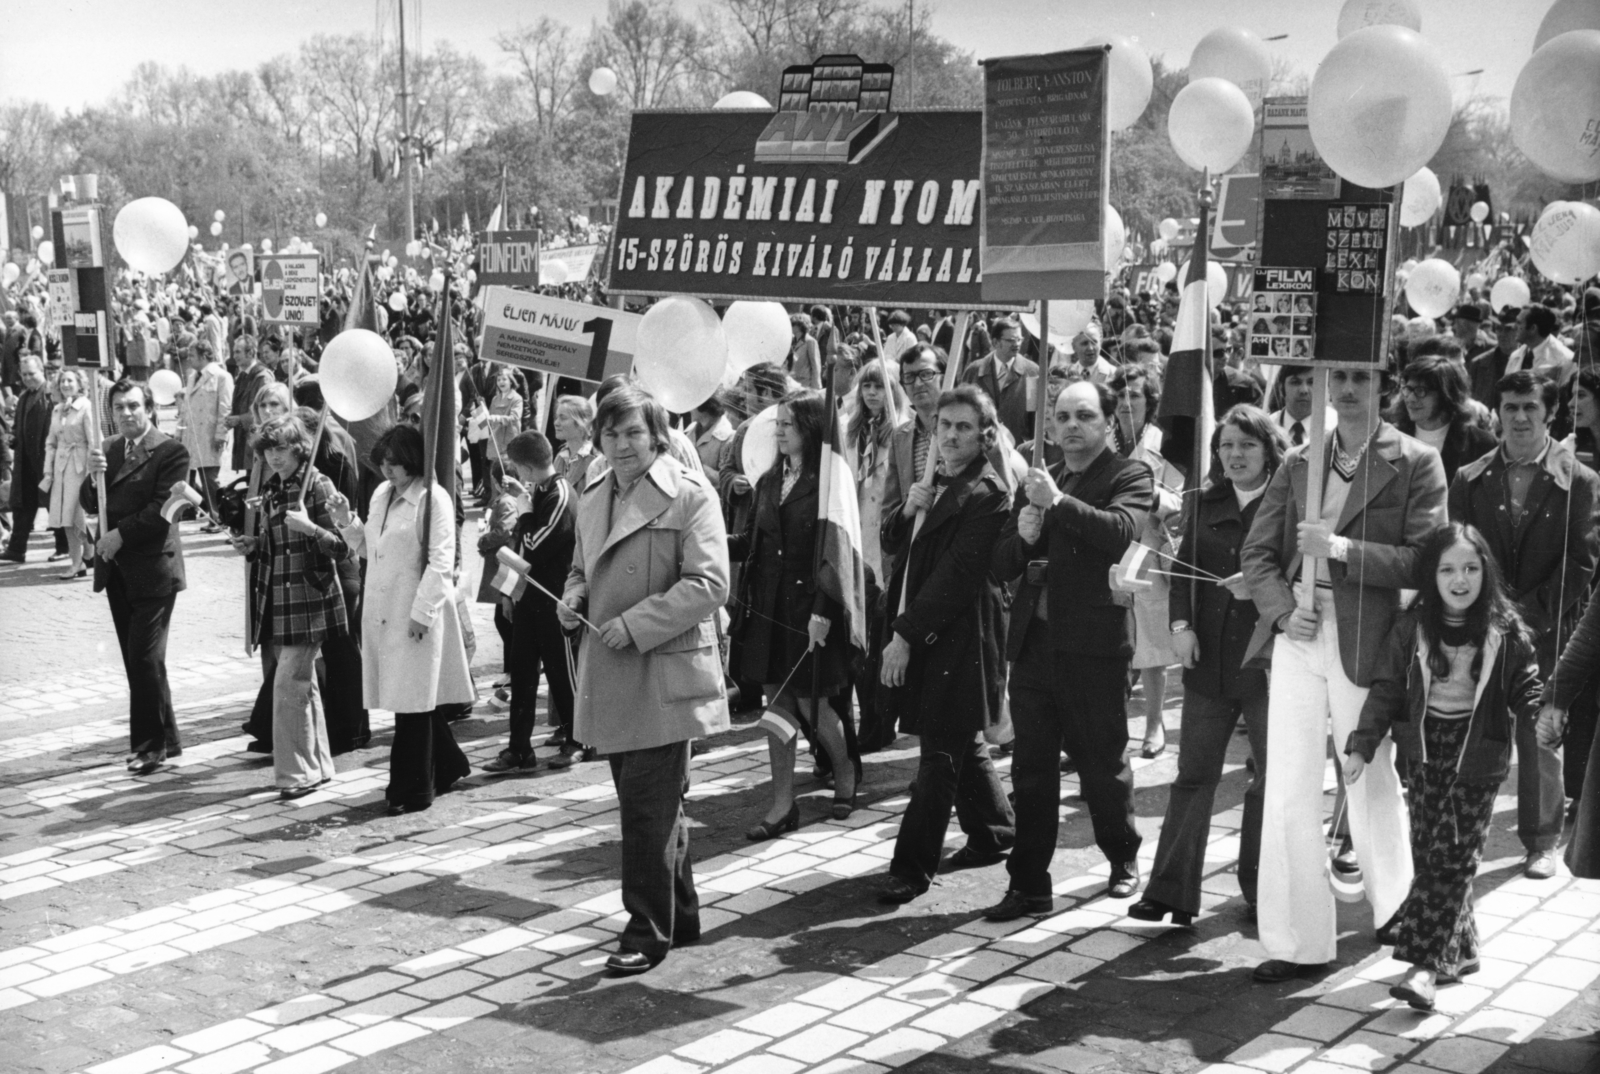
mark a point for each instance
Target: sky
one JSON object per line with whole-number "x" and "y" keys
{"x": 72, "y": 53}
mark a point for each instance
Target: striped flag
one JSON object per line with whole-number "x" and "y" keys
{"x": 440, "y": 436}
{"x": 1187, "y": 410}
{"x": 840, "y": 568}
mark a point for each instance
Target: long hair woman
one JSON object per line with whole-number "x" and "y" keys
{"x": 1210, "y": 624}
{"x": 1456, "y": 674}
{"x": 787, "y": 633}
{"x": 414, "y": 657}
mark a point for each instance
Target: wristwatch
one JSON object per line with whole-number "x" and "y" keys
{"x": 1179, "y": 626}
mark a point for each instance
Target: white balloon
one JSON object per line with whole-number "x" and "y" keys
{"x": 165, "y": 386}
{"x": 1236, "y": 55}
{"x": 436, "y": 282}
{"x": 47, "y": 253}
{"x": 760, "y": 448}
{"x": 151, "y": 235}
{"x": 1359, "y": 14}
{"x": 194, "y": 232}
{"x": 1211, "y": 124}
{"x": 219, "y": 216}
{"x": 553, "y": 273}
{"x": 216, "y": 228}
{"x": 681, "y": 353}
{"x": 1166, "y": 272}
{"x": 1069, "y": 316}
{"x": 413, "y": 248}
{"x": 757, "y": 332}
{"x": 1565, "y": 16}
{"x": 1421, "y": 198}
{"x": 385, "y": 272}
{"x": 1116, "y": 238}
{"x": 1380, "y": 106}
{"x": 1555, "y": 107}
{"x": 1216, "y": 281}
{"x": 1479, "y": 212}
{"x": 322, "y": 219}
{"x": 391, "y": 261}
{"x": 10, "y": 273}
{"x": 1510, "y": 291}
{"x": 1476, "y": 280}
{"x": 743, "y": 99}
{"x": 602, "y": 81}
{"x": 1566, "y": 242}
{"x": 1169, "y": 228}
{"x": 1433, "y": 287}
{"x": 37, "y": 232}
{"x": 397, "y": 301}
{"x": 1129, "y": 80}
{"x": 358, "y": 374}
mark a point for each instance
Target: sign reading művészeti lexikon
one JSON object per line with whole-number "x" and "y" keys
{"x": 833, "y": 198}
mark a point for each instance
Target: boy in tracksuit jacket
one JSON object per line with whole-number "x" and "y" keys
{"x": 544, "y": 535}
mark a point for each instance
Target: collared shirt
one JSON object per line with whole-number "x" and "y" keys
{"x": 1519, "y": 478}
{"x": 921, "y": 444}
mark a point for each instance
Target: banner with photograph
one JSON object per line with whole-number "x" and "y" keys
{"x": 855, "y": 204}
{"x": 1045, "y": 176}
{"x": 291, "y": 290}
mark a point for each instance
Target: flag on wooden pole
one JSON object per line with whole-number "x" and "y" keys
{"x": 440, "y": 438}
{"x": 840, "y": 568}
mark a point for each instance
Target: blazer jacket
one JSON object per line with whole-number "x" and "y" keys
{"x": 1222, "y": 624}
{"x": 1010, "y": 402}
{"x": 1395, "y": 501}
{"x": 955, "y": 614}
{"x": 1084, "y": 537}
{"x": 151, "y": 558}
{"x": 1546, "y": 558}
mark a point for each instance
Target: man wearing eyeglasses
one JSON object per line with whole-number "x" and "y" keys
{"x": 1008, "y": 379}
{"x": 921, "y": 375}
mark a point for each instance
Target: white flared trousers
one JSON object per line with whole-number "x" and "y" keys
{"x": 1295, "y": 908}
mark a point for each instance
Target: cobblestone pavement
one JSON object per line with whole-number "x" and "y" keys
{"x": 191, "y": 922}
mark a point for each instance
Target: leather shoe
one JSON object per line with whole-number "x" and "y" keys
{"x": 1418, "y": 992}
{"x": 1539, "y": 865}
{"x": 968, "y": 858}
{"x": 1124, "y": 880}
{"x": 1016, "y": 904}
{"x": 629, "y": 963}
{"x": 146, "y": 763}
{"x": 897, "y": 892}
{"x": 1274, "y": 970}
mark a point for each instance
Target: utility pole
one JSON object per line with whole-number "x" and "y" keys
{"x": 405, "y": 131}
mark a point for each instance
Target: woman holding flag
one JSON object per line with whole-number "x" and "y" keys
{"x": 789, "y": 633}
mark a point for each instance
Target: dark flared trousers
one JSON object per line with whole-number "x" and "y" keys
{"x": 1449, "y": 820}
{"x": 424, "y": 760}
{"x": 954, "y": 772}
{"x": 142, "y": 635}
{"x": 657, "y": 881}
{"x": 1208, "y": 724}
{"x": 537, "y": 644}
{"x": 1060, "y": 700}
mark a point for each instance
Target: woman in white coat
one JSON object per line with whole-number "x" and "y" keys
{"x": 413, "y": 655}
{"x": 207, "y": 402}
{"x": 66, "y": 462}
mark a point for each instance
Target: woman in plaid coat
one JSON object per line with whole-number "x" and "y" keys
{"x": 296, "y": 599}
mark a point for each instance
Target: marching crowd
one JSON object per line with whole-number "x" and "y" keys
{"x": 1431, "y": 614}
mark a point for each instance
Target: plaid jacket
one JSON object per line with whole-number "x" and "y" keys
{"x": 292, "y": 574}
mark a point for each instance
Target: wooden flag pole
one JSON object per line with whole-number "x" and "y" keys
{"x": 1315, "y": 450}
{"x": 951, "y": 371}
{"x": 1041, "y": 380}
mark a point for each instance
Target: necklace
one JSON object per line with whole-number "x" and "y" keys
{"x": 1346, "y": 463}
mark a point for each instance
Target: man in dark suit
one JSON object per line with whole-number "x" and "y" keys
{"x": 1069, "y": 644}
{"x": 1534, "y": 503}
{"x": 139, "y": 563}
{"x": 247, "y": 384}
{"x": 30, "y": 428}
{"x": 1485, "y": 368}
{"x": 1383, "y": 494}
{"x": 1009, "y": 379}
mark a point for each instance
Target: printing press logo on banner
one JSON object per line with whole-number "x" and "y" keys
{"x": 834, "y": 111}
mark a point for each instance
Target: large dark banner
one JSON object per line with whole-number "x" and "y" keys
{"x": 872, "y": 208}
{"x": 1046, "y": 173}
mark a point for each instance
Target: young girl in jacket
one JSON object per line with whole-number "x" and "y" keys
{"x": 1458, "y": 669}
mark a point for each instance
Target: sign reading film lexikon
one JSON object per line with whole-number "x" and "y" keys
{"x": 1045, "y": 176}
{"x": 834, "y": 198}
{"x": 291, "y": 290}
{"x": 1326, "y": 250}
{"x": 552, "y": 335}
{"x": 509, "y": 259}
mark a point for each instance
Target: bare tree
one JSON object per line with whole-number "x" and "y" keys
{"x": 653, "y": 49}
{"x": 546, "y": 58}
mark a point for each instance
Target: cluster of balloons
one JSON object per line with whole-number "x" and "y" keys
{"x": 683, "y": 352}
{"x": 1212, "y": 120}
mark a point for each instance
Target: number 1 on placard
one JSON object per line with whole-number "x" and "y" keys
{"x": 600, "y": 329}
